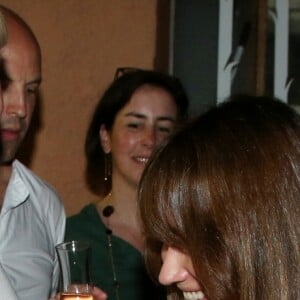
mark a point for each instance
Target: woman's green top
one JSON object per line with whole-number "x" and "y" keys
{"x": 133, "y": 281}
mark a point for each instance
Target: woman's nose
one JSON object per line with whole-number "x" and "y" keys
{"x": 149, "y": 137}
{"x": 173, "y": 268}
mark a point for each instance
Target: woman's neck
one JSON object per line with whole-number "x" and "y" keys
{"x": 124, "y": 220}
{"x": 123, "y": 196}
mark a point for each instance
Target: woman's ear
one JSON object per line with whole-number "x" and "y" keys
{"x": 105, "y": 139}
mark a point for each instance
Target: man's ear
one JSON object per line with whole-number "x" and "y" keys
{"x": 105, "y": 139}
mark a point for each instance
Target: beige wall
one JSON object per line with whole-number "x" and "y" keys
{"x": 83, "y": 42}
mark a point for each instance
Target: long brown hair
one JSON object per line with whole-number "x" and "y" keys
{"x": 226, "y": 190}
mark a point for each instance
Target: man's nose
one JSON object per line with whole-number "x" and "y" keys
{"x": 15, "y": 102}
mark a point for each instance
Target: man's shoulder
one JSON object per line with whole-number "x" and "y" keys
{"x": 34, "y": 183}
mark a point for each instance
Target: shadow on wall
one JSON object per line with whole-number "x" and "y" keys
{"x": 162, "y": 47}
{"x": 27, "y": 148}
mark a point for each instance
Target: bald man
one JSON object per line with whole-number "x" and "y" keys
{"x": 6, "y": 290}
{"x": 32, "y": 218}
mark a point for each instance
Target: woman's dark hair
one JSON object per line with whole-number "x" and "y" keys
{"x": 226, "y": 189}
{"x": 113, "y": 100}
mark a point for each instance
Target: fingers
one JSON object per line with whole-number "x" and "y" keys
{"x": 99, "y": 294}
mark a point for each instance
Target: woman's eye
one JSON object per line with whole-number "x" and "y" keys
{"x": 133, "y": 125}
{"x": 165, "y": 129}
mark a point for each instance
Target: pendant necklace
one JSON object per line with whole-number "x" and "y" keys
{"x": 106, "y": 213}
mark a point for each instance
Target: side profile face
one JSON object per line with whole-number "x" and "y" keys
{"x": 22, "y": 60}
{"x": 139, "y": 127}
{"x": 177, "y": 269}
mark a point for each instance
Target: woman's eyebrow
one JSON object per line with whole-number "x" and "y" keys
{"x": 142, "y": 116}
{"x": 136, "y": 115}
{"x": 166, "y": 118}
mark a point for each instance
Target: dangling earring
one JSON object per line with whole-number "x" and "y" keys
{"x": 107, "y": 166}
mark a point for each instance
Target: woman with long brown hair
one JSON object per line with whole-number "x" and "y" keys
{"x": 220, "y": 204}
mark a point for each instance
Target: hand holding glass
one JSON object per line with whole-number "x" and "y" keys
{"x": 74, "y": 263}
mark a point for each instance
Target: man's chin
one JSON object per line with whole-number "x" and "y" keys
{"x": 6, "y": 159}
{"x": 6, "y": 162}
{"x": 8, "y": 153}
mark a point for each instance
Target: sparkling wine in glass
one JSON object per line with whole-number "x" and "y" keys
{"x": 70, "y": 296}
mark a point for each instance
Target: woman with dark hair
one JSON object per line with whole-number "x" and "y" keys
{"x": 220, "y": 204}
{"x": 118, "y": 94}
{"x": 138, "y": 111}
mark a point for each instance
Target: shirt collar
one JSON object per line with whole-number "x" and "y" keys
{"x": 16, "y": 191}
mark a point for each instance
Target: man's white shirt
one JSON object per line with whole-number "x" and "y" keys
{"x": 32, "y": 222}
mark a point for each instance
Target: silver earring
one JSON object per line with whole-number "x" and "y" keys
{"x": 107, "y": 167}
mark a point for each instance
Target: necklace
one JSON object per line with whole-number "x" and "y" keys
{"x": 107, "y": 212}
